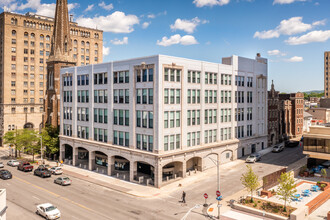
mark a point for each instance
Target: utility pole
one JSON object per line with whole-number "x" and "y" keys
{"x": 217, "y": 163}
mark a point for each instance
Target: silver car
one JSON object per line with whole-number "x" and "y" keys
{"x": 13, "y": 163}
{"x": 64, "y": 181}
{"x": 1, "y": 165}
{"x": 253, "y": 158}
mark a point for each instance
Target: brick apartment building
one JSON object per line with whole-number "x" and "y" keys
{"x": 25, "y": 45}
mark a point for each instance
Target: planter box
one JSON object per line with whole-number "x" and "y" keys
{"x": 257, "y": 212}
{"x": 266, "y": 193}
{"x": 325, "y": 183}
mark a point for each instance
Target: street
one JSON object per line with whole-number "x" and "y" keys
{"x": 83, "y": 200}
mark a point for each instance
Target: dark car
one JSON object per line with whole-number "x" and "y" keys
{"x": 42, "y": 172}
{"x": 5, "y": 174}
{"x": 291, "y": 143}
{"x": 25, "y": 166}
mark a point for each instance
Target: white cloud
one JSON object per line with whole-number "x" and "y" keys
{"x": 145, "y": 25}
{"x": 282, "y": 2}
{"x": 275, "y": 53}
{"x": 151, "y": 16}
{"x": 105, "y": 6}
{"x": 210, "y": 3}
{"x": 177, "y": 39}
{"x": 116, "y": 22}
{"x": 106, "y": 51}
{"x": 322, "y": 22}
{"x": 120, "y": 42}
{"x": 295, "y": 59}
{"x": 89, "y": 8}
{"x": 314, "y": 36}
{"x": 188, "y": 26}
{"x": 291, "y": 26}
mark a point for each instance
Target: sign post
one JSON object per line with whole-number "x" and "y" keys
{"x": 205, "y": 196}
{"x": 219, "y": 197}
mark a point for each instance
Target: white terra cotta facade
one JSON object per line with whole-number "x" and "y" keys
{"x": 162, "y": 116}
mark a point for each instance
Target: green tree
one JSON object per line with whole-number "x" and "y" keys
{"x": 250, "y": 181}
{"x": 50, "y": 139}
{"x": 10, "y": 138}
{"x": 28, "y": 140}
{"x": 324, "y": 173}
{"x": 286, "y": 188}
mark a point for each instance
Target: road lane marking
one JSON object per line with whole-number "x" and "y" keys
{"x": 36, "y": 197}
{"x": 59, "y": 196}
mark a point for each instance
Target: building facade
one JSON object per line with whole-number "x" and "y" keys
{"x": 154, "y": 119}
{"x": 25, "y": 45}
{"x": 322, "y": 115}
{"x": 292, "y": 115}
{"x": 274, "y": 116}
{"x": 326, "y": 74}
{"x": 317, "y": 142}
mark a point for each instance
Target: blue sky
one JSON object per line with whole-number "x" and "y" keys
{"x": 292, "y": 34}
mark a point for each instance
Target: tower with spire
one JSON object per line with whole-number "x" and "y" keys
{"x": 60, "y": 57}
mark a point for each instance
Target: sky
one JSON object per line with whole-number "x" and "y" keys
{"x": 292, "y": 34}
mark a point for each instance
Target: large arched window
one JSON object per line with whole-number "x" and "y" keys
{"x": 87, "y": 44}
{"x": 42, "y": 37}
{"x": 47, "y": 38}
{"x": 96, "y": 46}
{"x": 26, "y": 34}
{"x": 13, "y": 33}
{"x": 82, "y": 43}
{"x": 32, "y": 36}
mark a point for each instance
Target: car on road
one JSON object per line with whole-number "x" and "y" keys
{"x": 2, "y": 165}
{"x": 48, "y": 211}
{"x": 5, "y": 174}
{"x": 44, "y": 166}
{"x": 326, "y": 164}
{"x": 64, "y": 181}
{"x": 42, "y": 172}
{"x": 13, "y": 163}
{"x": 291, "y": 143}
{"x": 25, "y": 166}
{"x": 56, "y": 170}
{"x": 253, "y": 158}
{"x": 278, "y": 148}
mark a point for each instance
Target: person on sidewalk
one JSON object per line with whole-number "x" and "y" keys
{"x": 183, "y": 197}
{"x": 61, "y": 163}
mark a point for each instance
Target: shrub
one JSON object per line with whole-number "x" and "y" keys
{"x": 258, "y": 201}
{"x": 281, "y": 207}
{"x": 323, "y": 185}
{"x": 255, "y": 205}
{"x": 276, "y": 210}
{"x": 318, "y": 182}
{"x": 268, "y": 203}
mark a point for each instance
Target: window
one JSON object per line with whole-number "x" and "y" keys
{"x": 239, "y": 81}
{"x": 172, "y": 75}
{"x": 100, "y": 78}
{"x": 121, "y": 138}
{"x": 210, "y": 78}
{"x": 172, "y": 119}
{"x": 83, "y": 132}
{"x": 144, "y": 119}
{"x": 101, "y": 96}
{"x": 121, "y": 117}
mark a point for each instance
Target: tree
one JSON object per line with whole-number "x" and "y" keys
{"x": 10, "y": 138}
{"x": 28, "y": 140}
{"x": 50, "y": 139}
{"x": 324, "y": 173}
{"x": 250, "y": 181}
{"x": 286, "y": 188}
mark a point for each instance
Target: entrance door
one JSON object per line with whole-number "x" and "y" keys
{"x": 243, "y": 152}
{"x": 253, "y": 148}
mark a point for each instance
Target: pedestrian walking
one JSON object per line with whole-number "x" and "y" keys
{"x": 183, "y": 197}
{"x": 61, "y": 163}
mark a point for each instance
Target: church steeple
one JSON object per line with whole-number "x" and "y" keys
{"x": 61, "y": 47}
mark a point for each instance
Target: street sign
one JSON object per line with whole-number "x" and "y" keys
{"x": 205, "y": 195}
{"x": 218, "y": 193}
{"x": 219, "y": 198}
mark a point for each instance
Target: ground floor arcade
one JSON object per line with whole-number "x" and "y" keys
{"x": 144, "y": 167}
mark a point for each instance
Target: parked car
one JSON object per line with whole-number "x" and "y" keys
{"x": 2, "y": 165}
{"x": 44, "y": 166}
{"x": 56, "y": 170}
{"x": 13, "y": 163}
{"x": 64, "y": 181}
{"x": 48, "y": 211}
{"x": 25, "y": 166}
{"x": 253, "y": 158}
{"x": 326, "y": 164}
{"x": 278, "y": 148}
{"x": 42, "y": 172}
{"x": 5, "y": 174}
{"x": 291, "y": 143}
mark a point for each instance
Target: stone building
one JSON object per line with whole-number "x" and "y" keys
{"x": 292, "y": 111}
{"x": 274, "y": 116}
{"x": 25, "y": 45}
{"x": 154, "y": 119}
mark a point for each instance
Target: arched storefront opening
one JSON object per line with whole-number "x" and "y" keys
{"x": 144, "y": 173}
{"x": 101, "y": 162}
{"x": 120, "y": 168}
{"x": 193, "y": 164}
{"x": 83, "y": 158}
{"x": 172, "y": 170}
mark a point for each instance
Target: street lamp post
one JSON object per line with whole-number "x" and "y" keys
{"x": 186, "y": 215}
{"x": 217, "y": 163}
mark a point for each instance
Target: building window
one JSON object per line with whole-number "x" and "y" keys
{"x": 172, "y": 75}
{"x": 100, "y": 78}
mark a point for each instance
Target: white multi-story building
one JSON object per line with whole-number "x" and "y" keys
{"x": 153, "y": 119}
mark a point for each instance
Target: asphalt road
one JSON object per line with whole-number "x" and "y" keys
{"x": 83, "y": 200}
